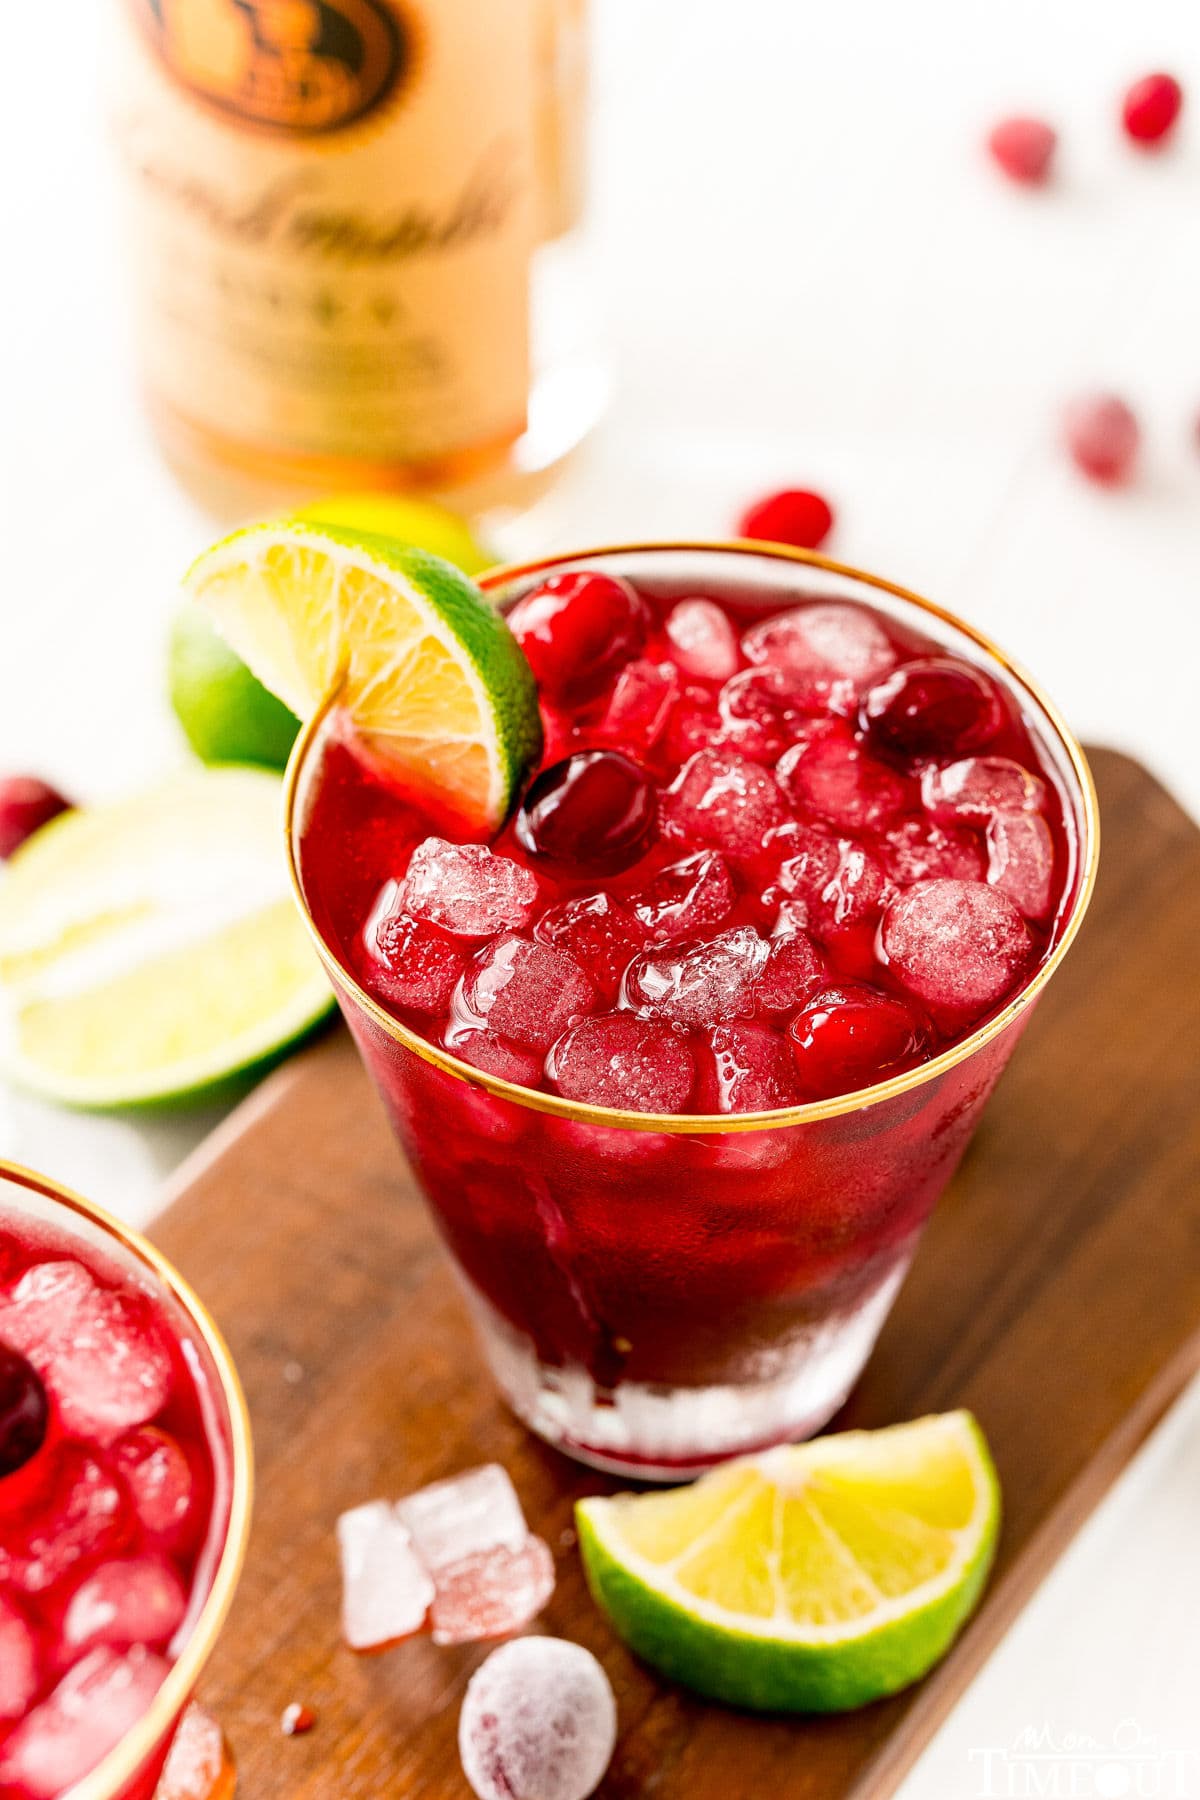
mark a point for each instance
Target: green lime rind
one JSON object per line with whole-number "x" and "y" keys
{"x": 771, "y": 1672}
{"x": 225, "y": 712}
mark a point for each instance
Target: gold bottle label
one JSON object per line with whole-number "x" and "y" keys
{"x": 333, "y": 214}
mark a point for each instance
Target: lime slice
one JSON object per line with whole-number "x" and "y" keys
{"x": 150, "y": 949}
{"x": 812, "y": 1578}
{"x": 432, "y": 679}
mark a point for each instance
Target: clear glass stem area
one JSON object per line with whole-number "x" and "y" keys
{"x": 656, "y": 1432}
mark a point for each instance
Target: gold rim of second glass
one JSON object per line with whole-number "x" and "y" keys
{"x": 691, "y": 1124}
{"x": 127, "y": 1757}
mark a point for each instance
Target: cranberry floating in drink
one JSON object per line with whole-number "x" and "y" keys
{"x": 684, "y": 1052}
{"x": 123, "y": 1499}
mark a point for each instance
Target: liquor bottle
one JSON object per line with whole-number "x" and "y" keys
{"x": 353, "y": 234}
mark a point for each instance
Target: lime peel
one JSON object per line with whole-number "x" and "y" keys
{"x": 812, "y": 1578}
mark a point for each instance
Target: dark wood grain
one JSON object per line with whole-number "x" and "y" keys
{"x": 1057, "y": 1293}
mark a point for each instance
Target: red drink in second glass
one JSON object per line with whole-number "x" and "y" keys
{"x": 123, "y": 1499}
{"x": 684, "y": 1057}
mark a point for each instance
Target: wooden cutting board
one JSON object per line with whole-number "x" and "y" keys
{"x": 1057, "y": 1293}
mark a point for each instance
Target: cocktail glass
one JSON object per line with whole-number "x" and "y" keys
{"x": 656, "y": 1293}
{"x": 36, "y": 1208}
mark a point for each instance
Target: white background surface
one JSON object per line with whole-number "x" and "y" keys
{"x": 811, "y": 277}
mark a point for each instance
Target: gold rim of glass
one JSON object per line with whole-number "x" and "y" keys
{"x": 690, "y": 1124}
{"x": 127, "y": 1757}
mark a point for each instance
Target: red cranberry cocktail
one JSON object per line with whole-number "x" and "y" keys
{"x": 686, "y": 1054}
{"x": 124, "y": 1498}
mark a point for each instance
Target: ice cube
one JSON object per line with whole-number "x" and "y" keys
{"x": 199, "y": 1764}
{"x": 132, "y": 1600}
{"x": 722, "y": 799}
{"x": 704, "y": 984}
{"x": 959, "y": 946}
{"x": 752, "y": 1070}
{"x": 598, "y": 932}
{"x": 491, "y": 1593}
{"x": 467, "y": 889}
{"x": 386, "y": 1588}
{"x": 685, "y": 899}
{"x": 1021, "y": 860}
{"x": 793, "y": 970}
{"x": 693, "y": 724}
{"x": 100, "y": 1352}
{"x": 838, "y": 649}
{"x": 634, "y": 1065}
{"x": 19, "y": 1674}
{"x": 83, "y": 1513}
{"x": 919, "y": 849}
{"x": 829, "y": 773}
{"x": 702, "y": 640}
{"x": 161, "y": 1483}
{"x": 538, "y": 1722}
{"x": 640, "y": 705}
{"x": 90, "y": 1710}
{"x": 495, "y": 1055}
{"x": 762, "y": 712}
{"x": 975, "y": 787}
{"x": 526, "y": 991}
{"x": 463, "y": 1516}
{"x": 841, "y": 884}
{"x": 407, "y": 961}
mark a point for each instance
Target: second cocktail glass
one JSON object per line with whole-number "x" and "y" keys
{"x": 657, "y": 1292}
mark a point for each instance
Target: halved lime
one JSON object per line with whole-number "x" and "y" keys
{"x": 150, "y": 949}
{"x": 812, "y": 1578}
{"x": 431, "y": 677}
{"x": 421, "y": 522}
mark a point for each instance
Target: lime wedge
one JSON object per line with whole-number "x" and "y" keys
{"x": 150, "y": 949}
{"x": 432, "y": 679}
{"x": 812, "y": 1578}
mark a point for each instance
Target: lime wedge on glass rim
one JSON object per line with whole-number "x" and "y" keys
{"x": 812, "y": 1578}
{"x": 150, "y": 949}
{"x": 432, "y": 680}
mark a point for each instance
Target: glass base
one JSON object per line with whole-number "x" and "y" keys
{"x": 654, "y": 1433}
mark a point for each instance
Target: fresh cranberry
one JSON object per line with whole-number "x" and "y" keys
{"x": 594, "y": 811}
{"x": 26, "y": 804}
{"x": 851, "y": 1036}
{"x": 24, "y": 1413}
{"x": 935, "y": 706}
{"x": 793, "y": 516}
{"x": 1102, "y": 435}
{"x": 1151, "y": 107}
{"x": 1023, "y": 148}
{"x": 576, "y": 630}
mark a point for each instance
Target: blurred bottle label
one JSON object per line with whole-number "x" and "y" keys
{"x": 334, "y": 209}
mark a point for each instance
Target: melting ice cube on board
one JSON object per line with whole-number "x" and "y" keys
{"x": 491, "y": 1593}
{"x": 463, "y": 1515}
{"x": 386, "y": 1589}
{"x": 199, "y": 1765}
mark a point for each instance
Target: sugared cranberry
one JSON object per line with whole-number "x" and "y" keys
{"x": 24, "y": 1413}
{"x": 1023, "y": 148}
{"x": 935, "y": 706}
{"x": 1150, "y": 108}
{"x": 594, "y": 811}
{"x": 793, "y": 516}
{"x": 26, "y": 804}
{"x": 851, "y": 1036}
{"x": 1102, "y": 435}
{"x": 576, "y": 629}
